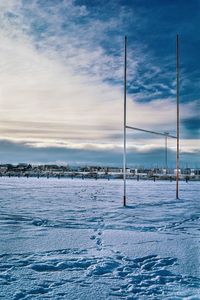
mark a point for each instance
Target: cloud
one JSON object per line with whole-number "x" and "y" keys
{"x": 12, "y": 152}
{"x": 62, "y": 87}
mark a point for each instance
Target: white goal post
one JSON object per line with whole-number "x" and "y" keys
{"x": 165, "y": 134}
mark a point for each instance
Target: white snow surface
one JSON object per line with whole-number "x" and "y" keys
{"x": 72, "y": 239}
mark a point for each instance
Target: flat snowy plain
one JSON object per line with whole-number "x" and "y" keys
{"x": 72, "y": 239}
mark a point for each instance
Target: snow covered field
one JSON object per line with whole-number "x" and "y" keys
{"x": 72, "y": 239}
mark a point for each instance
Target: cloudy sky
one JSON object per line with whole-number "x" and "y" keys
{"x": 61, "y": 80}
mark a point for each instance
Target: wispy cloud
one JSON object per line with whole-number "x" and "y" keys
{"x": 61, "y": 74}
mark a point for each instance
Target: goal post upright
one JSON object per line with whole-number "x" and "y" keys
{"x": 177, "y": 116}
{"x": 166, "y": 163}
{"x": 124, "y": 154}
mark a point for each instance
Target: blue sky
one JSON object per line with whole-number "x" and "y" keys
{"x": 61, "y": 76}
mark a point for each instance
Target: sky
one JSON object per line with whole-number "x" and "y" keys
{"x": 61, "y": 80}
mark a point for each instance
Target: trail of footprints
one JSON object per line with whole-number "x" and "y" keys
{"x": 97, "y": 236}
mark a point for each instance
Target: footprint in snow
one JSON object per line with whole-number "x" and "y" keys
{"x": 97, "y": 236}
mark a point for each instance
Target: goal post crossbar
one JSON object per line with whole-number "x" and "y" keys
{"x": 152, "y": 132}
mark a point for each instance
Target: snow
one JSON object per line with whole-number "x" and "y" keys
{"x": 72, "y": 239}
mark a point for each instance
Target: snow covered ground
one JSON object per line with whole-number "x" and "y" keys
{"x": 72, "y": 239}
